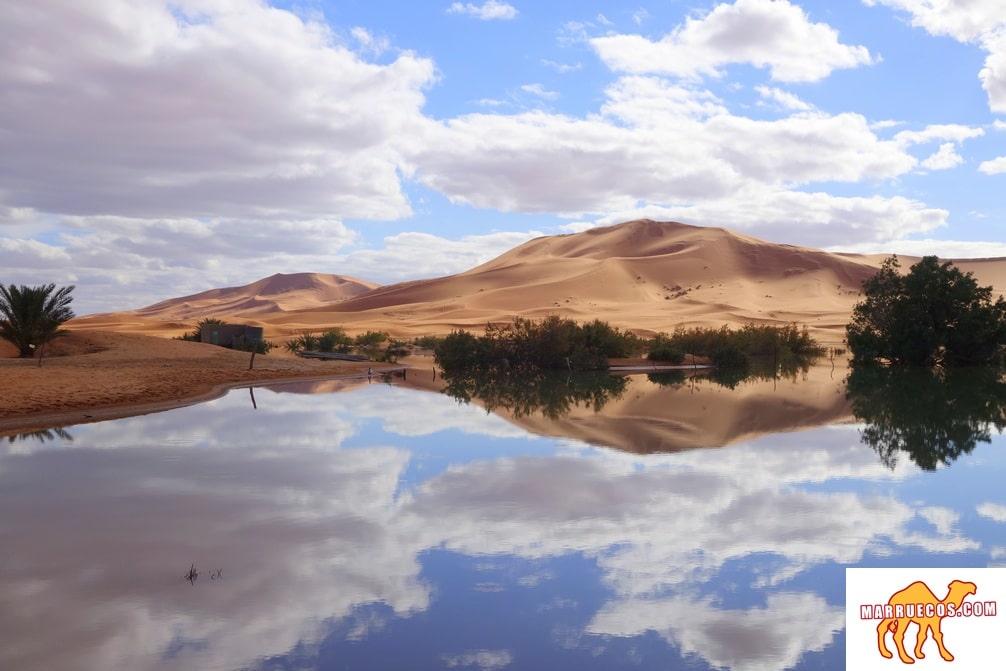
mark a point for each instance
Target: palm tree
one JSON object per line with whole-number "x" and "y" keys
{"x": 31, "y": 316}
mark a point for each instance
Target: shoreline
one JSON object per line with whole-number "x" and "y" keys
{"x": 97, "y": 376}
{"x": 26, "y": 424}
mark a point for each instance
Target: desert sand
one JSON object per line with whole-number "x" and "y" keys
{"x": 643, "y": 276}
{"x": 90, "y": 376}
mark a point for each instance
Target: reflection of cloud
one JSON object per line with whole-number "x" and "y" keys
{"x": 306, "y": 530}
{"x": 773, "y": 637}
{"x": 490, "y": 660}
{"x": 993, "y": 511}
{"x": 301, "y": 536}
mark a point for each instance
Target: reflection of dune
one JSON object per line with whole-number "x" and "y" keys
{"x": 697, "y": 413}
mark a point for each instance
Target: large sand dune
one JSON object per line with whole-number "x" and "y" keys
{"x": 644, "y": 275}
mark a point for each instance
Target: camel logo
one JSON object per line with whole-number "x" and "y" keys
{"x": 917, "y": 604}
{"x": 913, "y": 623}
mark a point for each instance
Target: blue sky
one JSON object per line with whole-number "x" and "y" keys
{"x": 156, "y": 148}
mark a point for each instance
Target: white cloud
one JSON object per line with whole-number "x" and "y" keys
{"x": 398, "y": 260}
{"x": 368, "y": 42}
{"x": 784, "y": 99}
{"x": 659, "y": 146}
{"x": 232, "y": 109}
{"x": 964, "y": 20}
{"x": 945, "y": 157}
{"x": 945, "y": 249}
{"x": 489, "y": 10}
{"x": 773, "y": 34}
{"x": 993, "y": 511}
{"x": 817, "y": 219}
{"x": 489, "y": 660}
{"x": 938, "y": 132}
{"x": 539, "y": 91}
{"x": 771, "y": 637}
{"x": 995, "y": 166}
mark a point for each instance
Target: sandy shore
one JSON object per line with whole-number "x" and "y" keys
{"x": 94, "y": 375}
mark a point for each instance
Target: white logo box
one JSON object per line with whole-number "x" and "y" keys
{"x": 961, "y": 606}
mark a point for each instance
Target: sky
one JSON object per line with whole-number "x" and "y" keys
{"x": 151, "y": 149}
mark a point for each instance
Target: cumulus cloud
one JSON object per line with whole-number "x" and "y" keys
{"x": 945, "y": 157}
{"x": 487, "y": 11}
{"x": 994, "y": 166}
{"x": 658, "y": 146}
{"x": 963, "y": 20}
{"x": 784, "y": 99}
{"x": 773, "y": 34}
{"x": 981, "y": 22}
{"x": 993, "y": 511}
{"x": 232, "y": 108}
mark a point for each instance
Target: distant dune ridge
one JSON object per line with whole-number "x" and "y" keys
{"x": 643, "y": 275}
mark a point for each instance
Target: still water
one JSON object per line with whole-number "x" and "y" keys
{"x": 356, "y": 525}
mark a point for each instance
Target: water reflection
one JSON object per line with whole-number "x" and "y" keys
{"x": 56, "y": 433}
{"x": 383, "y": 527}
{"x": 931, "y": 416}
{"x": 548, "y": 393}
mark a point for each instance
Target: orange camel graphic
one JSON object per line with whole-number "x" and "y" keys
{"x": 917, "y": 603}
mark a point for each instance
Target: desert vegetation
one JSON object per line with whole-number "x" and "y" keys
{"x": 528, "y": 345}
{"x": 735, "y": 349}
{"x": 933, "y": 315}
{"x": 557, "y": 343}
{"x": 30, "y": 317}
{"x": 375, "y": 345}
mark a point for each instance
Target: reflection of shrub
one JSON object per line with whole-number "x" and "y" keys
{"x": 671, "y": 378}
{"x": 552, "y": 394}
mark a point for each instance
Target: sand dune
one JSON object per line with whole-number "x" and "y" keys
{"x": 254, "y": 303}
{"x": 645, "y": 276}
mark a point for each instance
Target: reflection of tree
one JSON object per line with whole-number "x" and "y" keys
{"x": 758, "y": 369}
{"x": 551, "y": 394}
{"x": 933, "y": 417}
{"x": 42, "y": 436}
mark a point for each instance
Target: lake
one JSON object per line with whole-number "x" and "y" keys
{"x": 367, "y": 524}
